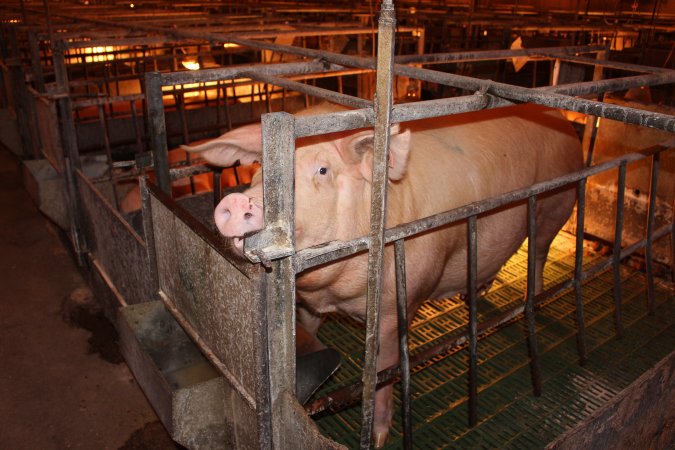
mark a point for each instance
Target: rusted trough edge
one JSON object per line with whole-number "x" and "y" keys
{"x": 205, "y": 349}
{"x": 108, "y": 281}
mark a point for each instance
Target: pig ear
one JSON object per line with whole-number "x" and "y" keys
{"x": 243, "y": 144}
{"x": 361, "y": 148}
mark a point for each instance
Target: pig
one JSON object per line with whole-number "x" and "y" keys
{"x": 435, "y": 165}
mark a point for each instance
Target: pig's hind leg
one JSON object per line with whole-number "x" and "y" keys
{"x": 553, "y": 211}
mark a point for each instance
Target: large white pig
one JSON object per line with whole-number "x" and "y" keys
{"x": 435, "y": 165}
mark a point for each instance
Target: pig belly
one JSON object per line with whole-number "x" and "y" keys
{"x": 499, "y": 236}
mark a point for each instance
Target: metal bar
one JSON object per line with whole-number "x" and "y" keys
{"x": 279, "y": 300}
{"x": 137, "y": 128}
{"x": 157, "y": 130}
{"x": 216, "y": 186}
{"x": 326, "y": 94}
{"x": 108, "y": 154}
{"x": 653, "y": 188}
{"x": 489, "y": 55}
{"x": 594, "y": 62}
{"x": 472, "y": 303}
{"x": 404, "y": 350}
{"x": 578, "y": 270}
{"x": 549, "y": 98}
{"x": 206, "y": 350}
{"x": 535, "y": 367}
{"x": 616, "y": 253}
{"x": 225, "y": 73}
{"x": 378, "y": 207}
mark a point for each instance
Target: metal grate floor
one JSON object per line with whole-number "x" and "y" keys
{"x": 510, "y": 416}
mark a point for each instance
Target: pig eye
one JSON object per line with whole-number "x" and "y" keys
{"x": 322, "y": 170}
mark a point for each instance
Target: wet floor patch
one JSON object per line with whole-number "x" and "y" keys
{"x": 152, "y": 436}
{"x": 80, "y": 309}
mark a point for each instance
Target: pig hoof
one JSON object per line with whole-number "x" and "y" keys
{"x": 380, "y": 439}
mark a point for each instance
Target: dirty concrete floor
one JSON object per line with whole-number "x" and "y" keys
{"x": 63, "y": 383}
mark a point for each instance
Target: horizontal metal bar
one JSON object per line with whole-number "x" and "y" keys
{"x": 226, "y": 73}
{"x": 489, "y": 55}
{"x": 607, "y": 85}
{"x": 552, "y": 99}
{"x": 85, "y": 103}
{"x": 335, "y": 97}
{"x": 604, "y": 63}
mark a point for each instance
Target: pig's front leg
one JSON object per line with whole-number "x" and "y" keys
{"x": 307, "y": 326}
{"x": 384, "y": 397}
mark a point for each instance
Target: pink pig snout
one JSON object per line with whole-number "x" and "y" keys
{"x": 236, "y": 215}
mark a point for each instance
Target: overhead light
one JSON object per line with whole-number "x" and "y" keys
{"x": 190, "y": 65}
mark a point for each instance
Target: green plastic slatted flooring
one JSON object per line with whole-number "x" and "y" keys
{"x": 510, "y": 417}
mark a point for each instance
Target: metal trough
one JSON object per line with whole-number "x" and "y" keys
{"x": 184, "y": 389}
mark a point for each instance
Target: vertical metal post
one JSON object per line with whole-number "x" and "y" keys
{"x": 382, "y": 104}
{"x": 137, "y": 128}
{"x": 149, "y": 232}
{"x": 616, "y": 255}
{"x": 36, "y": 62}
{"x": 404, "y": 351}
{"x": 653, "y": 187}
{"x": 69, "y": 142}
{"x": 472, "y": 233}
{"x": 108, "y": 152}
{"x": 279, "y": 213}
{"x": 216, "y": 186}
{"x": 535, "y": 367}
{"x": 157, "y": 130}
{"x": 578, "y": 269}
{"x": 591, "y": 130}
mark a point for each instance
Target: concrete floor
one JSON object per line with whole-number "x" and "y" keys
{"x": 63, "y": 383}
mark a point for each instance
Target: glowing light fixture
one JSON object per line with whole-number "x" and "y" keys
{"x": 190, "y": 65}
{"x": 230, "y": 45}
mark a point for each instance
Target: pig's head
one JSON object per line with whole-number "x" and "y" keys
{"x": 332, "y": 181}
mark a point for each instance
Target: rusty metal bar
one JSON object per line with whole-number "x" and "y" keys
{"x": 157, "y": 129}
{"x": 653, "y": 188}
{"x": 489, "y": 55}
{"x": 578, "y": 270}
{"x": 594, "y": 62}
{"x": 616, "y": 253}
{"x": 535, "y": 367}
{"x": 549, "y": 97}
{"x": 216, "y": 186}
{"x": 326, "y": 94}
{"x": 378, "y": 208}
{"x": 404, "y": 350}
{"x": 279, "y": 280}
{"x": 472, "y": 303}
{"x": 137, "y": 128}
{"x": 108, "y": 153}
